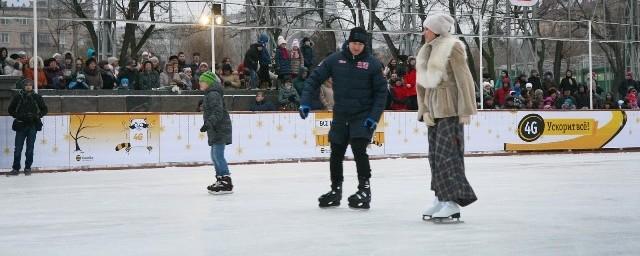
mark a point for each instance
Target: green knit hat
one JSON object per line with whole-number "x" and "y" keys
{"x": 209, "y": 78}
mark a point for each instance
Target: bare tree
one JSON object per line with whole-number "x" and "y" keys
{"x": 81, "y": 127}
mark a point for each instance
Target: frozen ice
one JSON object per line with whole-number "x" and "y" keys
{"x": 566, "y": 204}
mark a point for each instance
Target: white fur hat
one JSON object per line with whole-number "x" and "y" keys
{"x": 32, "y": 62}
{"x": 529, "y": 85}
{"x": 439, "y": 23}
{"x": 295, "y": 43}
{"x": 281, "y": 40}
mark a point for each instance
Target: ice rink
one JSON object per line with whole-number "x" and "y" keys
{"x": 568, "y": 204}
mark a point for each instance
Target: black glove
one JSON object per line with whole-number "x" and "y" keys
{"x": 292, "y": 98}
{"x": 204, "y": 128}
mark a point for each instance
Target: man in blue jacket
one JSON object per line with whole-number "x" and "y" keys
{"x": 360, "y": 92}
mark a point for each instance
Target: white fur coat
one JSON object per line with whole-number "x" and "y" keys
{"x": 446, "y": 87}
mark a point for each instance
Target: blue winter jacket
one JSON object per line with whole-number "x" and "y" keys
{"x": 283, "y": 63}
{"x": 265, "y": 57}
{"x": 360, "y": 92}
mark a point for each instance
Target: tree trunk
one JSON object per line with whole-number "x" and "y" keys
{"x": 557, "y": 61}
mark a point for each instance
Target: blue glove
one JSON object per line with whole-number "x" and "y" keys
{"x": 370, "y": 123}
{"x": 304, "y": 111}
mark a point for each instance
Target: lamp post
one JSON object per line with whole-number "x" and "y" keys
{"x": 212, "y": 20}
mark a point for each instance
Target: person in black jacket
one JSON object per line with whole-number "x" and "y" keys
{"x": 251, "y": 62}
{"x": 307, "y": 52}
{"x": 360, "y": 92}
{"x": 27, "y": 107}
{"x": 534, "y": 79}
{"x": 569, "y": 83}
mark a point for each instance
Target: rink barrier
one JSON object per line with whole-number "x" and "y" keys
{"x": 155, "y": 140}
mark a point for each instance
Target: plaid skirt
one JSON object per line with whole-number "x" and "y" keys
{"x": 446, "y": 159}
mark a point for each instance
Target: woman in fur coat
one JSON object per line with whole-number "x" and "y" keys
{"x": 446, "y": 101}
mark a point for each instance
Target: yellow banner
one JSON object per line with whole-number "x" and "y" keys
{"x": 569, "y": 126}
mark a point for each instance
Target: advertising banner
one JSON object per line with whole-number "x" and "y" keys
{"x": 128, "y": 139}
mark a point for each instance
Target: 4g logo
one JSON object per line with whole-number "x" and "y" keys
{"x": 531, "y": 127}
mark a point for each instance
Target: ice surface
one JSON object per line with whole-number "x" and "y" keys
{"x": 583, "y": 204}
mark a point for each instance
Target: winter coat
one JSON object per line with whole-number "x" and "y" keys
{"x": 445, "y": 85}
{"x": 265, "y": 57}
{"x": 623, "y": 89}
{"x": 148, "y": 80}
{"x": 359, "y": 92}
{"x": 28, "y": 108}
{"x": 326, "y": 96}
{"x": 401, "y": 96}
{"x": 12, "y": 67}
{"x": 252, "y": 57}
{"x": 3, "y": 59}
{"x": 283, "y": 61}
{"x": 42, "y": 77}
{"x": 187, "y": 81}
{"x": 55, "y": 78}
{"x": 500, "y": 96}
{"x": 231, "y": 80}
{"x": 215, "y": 115}
{"x": 410, "y": 78}
{"x": 297, "y": 60}
{"x": 288, "y": 98}
{"x": 298, "y": 83}
{"x": 169, "y": 80}
{"x": 582, "y": 100}
{"x": 568, "y": 83}
{"x": 264, "y": 105}
{"x": 93, "y": 78}
{"x": 132, "y": 75}
{"x": 108, "y": 80}
{"x": 307, "y": 54}
{"x": 535, "y": 81}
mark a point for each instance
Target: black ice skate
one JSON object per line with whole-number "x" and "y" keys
{"x": 331, "y": 198}
{"x": 13, "y": 173}
{"x": 362, "y": 198}
{"x": 27, "y": 172}
{"x": 222, "y": 186}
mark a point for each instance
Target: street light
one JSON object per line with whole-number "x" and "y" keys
{"x": 216, "y": 18}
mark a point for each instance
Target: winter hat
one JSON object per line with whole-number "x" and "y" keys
{"x": 56, "y": 55}
{"x": 203, "y": 64}
{"x": 112, "y": 60}
{"x": 281, "y": 40}
{"x": 529, "y": 85}
{"x": 145, "y": 53}
{"x": 358, "y": 34}
{"x": 263, "y": 38}
{"x": 91, "y": 53}
{"x": 438, "y": 23}
{"x": 209, "y": 78}
{"x": 21, "y": 54}
{"x": 295, "y": 43}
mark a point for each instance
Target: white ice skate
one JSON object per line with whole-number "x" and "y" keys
{"x": 449, "y": 211}
{"x": 437, "y": 205}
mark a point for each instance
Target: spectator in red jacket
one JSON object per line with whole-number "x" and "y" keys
{"x": 501, "y": 94}
{"x": 410, "y": 85}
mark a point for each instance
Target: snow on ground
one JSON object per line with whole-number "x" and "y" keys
{"x": 584, "y": 204}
